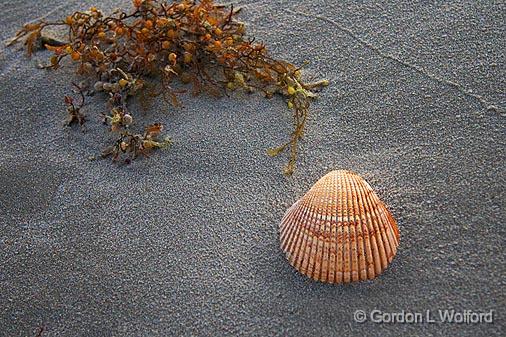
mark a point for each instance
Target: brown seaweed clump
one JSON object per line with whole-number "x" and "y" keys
{"x": 141, "y": 52}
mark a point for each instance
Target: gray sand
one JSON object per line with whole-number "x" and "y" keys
{"x": 186, "y": 243}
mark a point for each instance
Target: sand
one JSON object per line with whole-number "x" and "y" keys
{"x": 186, "y": 243}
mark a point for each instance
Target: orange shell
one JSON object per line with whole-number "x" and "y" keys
{"x": 339, "y": 231}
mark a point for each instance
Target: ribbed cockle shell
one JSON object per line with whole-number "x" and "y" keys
{"x": 340, "y": 231}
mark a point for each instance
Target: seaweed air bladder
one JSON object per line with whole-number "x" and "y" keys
{"x": 141, "y": 51}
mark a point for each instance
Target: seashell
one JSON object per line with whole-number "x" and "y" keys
{"x": 339, "y": 231}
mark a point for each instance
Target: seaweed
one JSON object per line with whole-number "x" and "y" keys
{"x": 195, "y": 42}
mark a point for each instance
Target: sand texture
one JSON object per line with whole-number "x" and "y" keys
{"x": 186, "y": 243}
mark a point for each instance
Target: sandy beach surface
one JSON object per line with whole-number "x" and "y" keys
{"x": 186, "y": 243}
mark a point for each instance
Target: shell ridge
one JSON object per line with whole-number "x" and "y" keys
{"x": 362, "y": 266}
{"x": 285, "y": 221}
{"x": 389, "y": 234}
{"x": 381, "y": 211}
{"x": 315, "y": 258}
{"x": 346, "y": 226}
{"x": 294, "y": 231}
{"x": 331, "y": 272}
{"x": 339, "y": 237}
{"x": 346, "y": 230}
{"x": 328, "y": 230}
{"x": 394, "y": 231}
{"x": 297, "y": 227}
{"x": 290, "y": 230}
{"x": 315, "y": 263}
{"x": 373, "y": 254}
{"x": 302, "y": 236}
{"x": 326, "y": 251}
{"x": 328, "y": 242}
{"x": 394, "y": 226}
{"x": 287, "y": 230}
{"x": 381, "y": 260}
{"x": 353, "y": 227}
{"x": 366, "y": 234}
